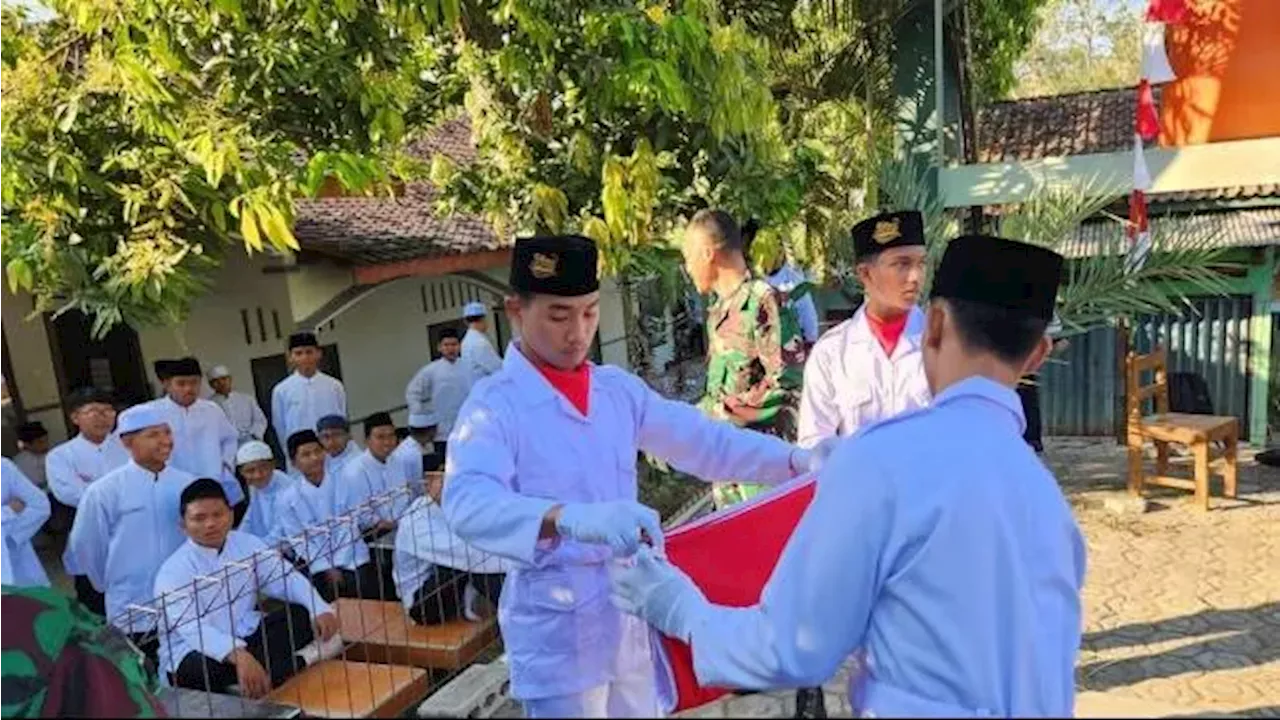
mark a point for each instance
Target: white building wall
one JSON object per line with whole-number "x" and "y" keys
{"x": 246, "y": 316}
{"x": 32, "y": 361}
{"x": 382, "y": 339}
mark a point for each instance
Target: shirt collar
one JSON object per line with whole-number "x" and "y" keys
{"x": 912, "y": 334}
{"x": 209, "y": 553}
{"x": 984, "y": 388}
{"x": 532, "y": 387}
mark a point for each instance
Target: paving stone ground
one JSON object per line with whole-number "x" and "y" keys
{"x": 1182, "y": 608}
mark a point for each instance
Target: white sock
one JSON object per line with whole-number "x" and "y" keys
{"x": 469, "y": 597}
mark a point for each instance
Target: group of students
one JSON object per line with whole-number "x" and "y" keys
{"x": 166, "y": 496}
{"x": 937, "y": 550}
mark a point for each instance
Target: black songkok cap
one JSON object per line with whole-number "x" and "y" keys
{"x": 300, "y": 438}
{"x": 448, "y": 334}
{"x": 303, "y": 339}
{"x": 376, "y": 420}
{"x": 1007, "y": 274}
{"x": 888, "y": 230}
{"x": 31, "y": 431}
{"x": 562, "y": 265}
{"x": 163, "y": 368}
{"x": 184, "y": 367}
{"x": 86, "y": 396}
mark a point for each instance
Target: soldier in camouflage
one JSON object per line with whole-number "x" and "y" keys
{"x": 755, "y": 349}
{"x": 756, "y": 356}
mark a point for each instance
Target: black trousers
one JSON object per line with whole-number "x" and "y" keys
{"x": 1029, "y": 394}
{"x": 89, "y": 596}
{"x": 359, "y": 583}
{"x": 149, "y": 644}
{"x": 440, "y": 598}
{"x": 274, "y": 644}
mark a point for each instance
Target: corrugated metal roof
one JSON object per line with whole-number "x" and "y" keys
{"x": 1256, "y": 227}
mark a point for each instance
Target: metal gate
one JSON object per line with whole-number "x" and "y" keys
{"x": 1082, "y": 390}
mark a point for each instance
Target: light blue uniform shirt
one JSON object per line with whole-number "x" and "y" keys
{"x": 938, "y": 548}
{"x": 125, "y": 528}
{"x": 518, "y": 449}
{"x": 21, "y": 564}
{"x": 368, "y": 484}
{"x": 307, "y": 519}
{"x": 262, "y": 519}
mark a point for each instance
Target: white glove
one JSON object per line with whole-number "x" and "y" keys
{"x": 658, "y": 592}
{"x": 616, "y": 524}
{"x": 813, "y": 459}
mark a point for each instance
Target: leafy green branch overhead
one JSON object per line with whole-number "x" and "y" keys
{"x": 616, "y": 120}
{"x": 143, "y": 138}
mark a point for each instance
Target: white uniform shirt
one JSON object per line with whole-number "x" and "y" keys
{"x": 204, "y": 442}
{"x": 125, "y": 528}
{"x": 305, "y": 512}
{"x": 21, "y": 565}
{"x": 262, "y": 519}
{"x": 243, "y": 412}
{"x": 366, "y": 479}
{"x": 520, "y": 448}
{"x": 224, "y": 586}
{"x": 785, "y": 280}
{"x": 298, "y": 402}
{"x": 479, "y": 354}
{"x": 72, "y": 465}
{"x": 424, "y": 540}
{"x": 439, "y": 389}
{"x": 849, "y": 382}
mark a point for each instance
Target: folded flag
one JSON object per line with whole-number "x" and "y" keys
{"x": 730, "y": 555}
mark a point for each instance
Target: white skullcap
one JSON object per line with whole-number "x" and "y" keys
{"x": 139, "y": 417}
{"x": 218, "y": 372}
{"x": 421, "y": 420}
{"x": 474, "y": 309}
{"x": 253, "y": 451}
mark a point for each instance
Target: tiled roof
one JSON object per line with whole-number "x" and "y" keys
{"x": 1075, "y": 124}
{"x": 1256, "y": 227}
{"x": 1100, "y": 121}
{"x": 378, "y": 230}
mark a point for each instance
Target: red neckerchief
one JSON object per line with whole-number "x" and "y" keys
{"x": 888, "y": 332}
{"x": 574, "y": 385}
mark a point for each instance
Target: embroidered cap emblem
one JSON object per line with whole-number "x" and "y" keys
{"x": 886, "y": 231}
{"x": 544, "y": 266}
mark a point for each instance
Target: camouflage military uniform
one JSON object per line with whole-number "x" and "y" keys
{"x": 60, "y": 660}
{"x": 755, "y": 368}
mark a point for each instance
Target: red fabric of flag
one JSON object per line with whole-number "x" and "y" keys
{"x": 1173, "y": 12}
{"x": 1148, "y": 121}
{"x": 1137, "y": 214}
{"x": 730, "y": 556}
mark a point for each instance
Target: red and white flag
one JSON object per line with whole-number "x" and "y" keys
{"x": 730, "y": 555}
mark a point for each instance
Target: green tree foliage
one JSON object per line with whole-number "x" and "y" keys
{"x": 1082, "y": 45}
{"x": 142, "y": 138}
{"x": 619, "y": 128}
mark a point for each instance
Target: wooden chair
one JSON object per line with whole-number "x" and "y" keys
{"x": 382, "y": 632}
{"x": 345, "y": 689}
{"x": 1199, "y": 433}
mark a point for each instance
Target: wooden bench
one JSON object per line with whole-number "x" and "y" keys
{"x": 382, "y": 632}
{"x": 346, "y": 689}
{"x": 185, "y": 703}
{"x": 1197, "y": 432}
